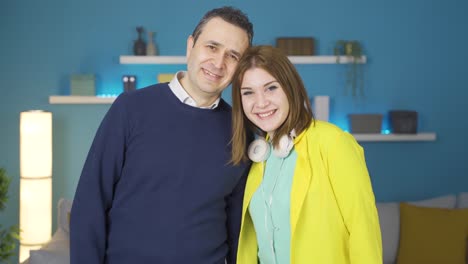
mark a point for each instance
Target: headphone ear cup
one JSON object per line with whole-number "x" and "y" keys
{"x": 259, "y": 150}
{"x": 285, "y": 146}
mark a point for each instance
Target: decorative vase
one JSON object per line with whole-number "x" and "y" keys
{"x": 151, "y": 47}
{"x": 139, "y": 46}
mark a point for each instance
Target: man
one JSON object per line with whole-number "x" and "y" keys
{"x": 157, "y": 186}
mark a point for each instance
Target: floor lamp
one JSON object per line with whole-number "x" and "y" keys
{"x": 35, "y": 180}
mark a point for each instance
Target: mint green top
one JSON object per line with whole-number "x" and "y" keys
{"x": 269, "y": 209}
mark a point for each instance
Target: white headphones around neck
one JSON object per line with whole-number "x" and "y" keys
{"x": 259, "y": 149}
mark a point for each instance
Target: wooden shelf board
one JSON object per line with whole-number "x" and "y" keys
{"x": 75, "y": 99}
{"x": 182, "y": 59}
{"x": 427, "y": 136}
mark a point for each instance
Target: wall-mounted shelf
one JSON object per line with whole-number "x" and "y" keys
{"x": 395, "y": 137}
{"x": 182, "y": 59}
{"x": 55, "y": 99}
{"x": 153, "y": 60}
{"x": 323, "y": 59}
{"x": 74, "y": 99}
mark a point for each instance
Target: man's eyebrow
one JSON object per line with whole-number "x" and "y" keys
{"x": 217, "y": 44}
{"x": 212, "y": 42}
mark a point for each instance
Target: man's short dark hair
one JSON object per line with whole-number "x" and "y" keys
{"x": 229, "y": 14}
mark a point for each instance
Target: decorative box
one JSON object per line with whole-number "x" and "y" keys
{"x": 165, "y": 77}
{"x": 403, "y": 122}
{"x": 321, "y": 107}
{"x": 83, "y": 84}
{"x": 296, "y": 45}
{"x": 365, "y": 123}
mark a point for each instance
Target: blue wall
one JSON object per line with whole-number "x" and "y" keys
{"x": 416, "y": 60}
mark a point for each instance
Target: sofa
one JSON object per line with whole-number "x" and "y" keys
{"x": 415, "y": 232}
{"x": 427, "y": 231}
{"x": 57, "y": 250}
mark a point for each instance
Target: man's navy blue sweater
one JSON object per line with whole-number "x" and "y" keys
{"x": 156, "y": 186}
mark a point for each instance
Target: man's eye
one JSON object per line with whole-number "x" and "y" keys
{"x": 234, "y": 57}
{"x": 211, "y": 47}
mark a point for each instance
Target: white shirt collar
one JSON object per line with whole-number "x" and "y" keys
{"x": 183, "y": 96}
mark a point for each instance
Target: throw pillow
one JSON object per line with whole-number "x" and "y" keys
{"x": 432, "y": 235}
{"x": 389, "y": 218}
{"x": 462, "y": 200}
{"x": 63, "y": 214}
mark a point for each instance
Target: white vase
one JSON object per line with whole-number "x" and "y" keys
{"x": 151, "y": 47}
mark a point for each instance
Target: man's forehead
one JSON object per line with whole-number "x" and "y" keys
{"x": 223, "y": 33}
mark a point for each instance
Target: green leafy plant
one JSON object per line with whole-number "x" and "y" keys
{"x": 354, "y": 76}
{"x": 8, "y": 236}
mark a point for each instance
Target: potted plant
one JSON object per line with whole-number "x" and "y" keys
{"x": 354, "y": 76}
{"x": 8, "y": 236}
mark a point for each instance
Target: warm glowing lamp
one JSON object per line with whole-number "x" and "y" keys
{"x": 35, "y": 181}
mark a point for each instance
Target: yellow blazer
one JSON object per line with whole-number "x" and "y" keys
{"x": 332, "y": 213}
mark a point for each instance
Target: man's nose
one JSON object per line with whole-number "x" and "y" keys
{"x": 218, "y": 60}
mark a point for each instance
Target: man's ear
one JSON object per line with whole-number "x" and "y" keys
{"x": 190, "y": 42}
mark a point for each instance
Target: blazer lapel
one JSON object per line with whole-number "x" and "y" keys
{"x": 301, "y": 180}
{"x": 253, "y": 181}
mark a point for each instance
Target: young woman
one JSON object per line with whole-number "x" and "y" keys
{"x": 309, "y": 199}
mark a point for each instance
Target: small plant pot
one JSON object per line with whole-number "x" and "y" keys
{"x": 365, "y": 123}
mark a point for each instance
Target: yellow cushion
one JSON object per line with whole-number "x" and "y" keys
{"x": 432, "y": 235}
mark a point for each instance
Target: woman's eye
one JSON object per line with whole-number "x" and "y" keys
{"x": 272, "y": 88}
{"x": 246, "y": 93}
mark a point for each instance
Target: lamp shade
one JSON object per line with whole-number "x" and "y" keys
{"x": 35, "y": 181}
{"x": 35, "y": 144}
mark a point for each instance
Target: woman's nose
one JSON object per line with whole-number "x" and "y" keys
{"x": 262, "y": 101}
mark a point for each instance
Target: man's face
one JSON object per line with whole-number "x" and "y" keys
{"x": 212, "y": 60}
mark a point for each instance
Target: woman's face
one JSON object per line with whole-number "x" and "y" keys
{"x": 263, "y": 100}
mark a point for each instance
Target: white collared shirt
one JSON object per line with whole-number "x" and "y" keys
{"x": 183, "y": 96}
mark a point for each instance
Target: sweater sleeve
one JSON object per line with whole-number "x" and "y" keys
{"x": 94, "y": 193}
{"x": 234, "y": 214}
{"x": 353, "y": 191}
